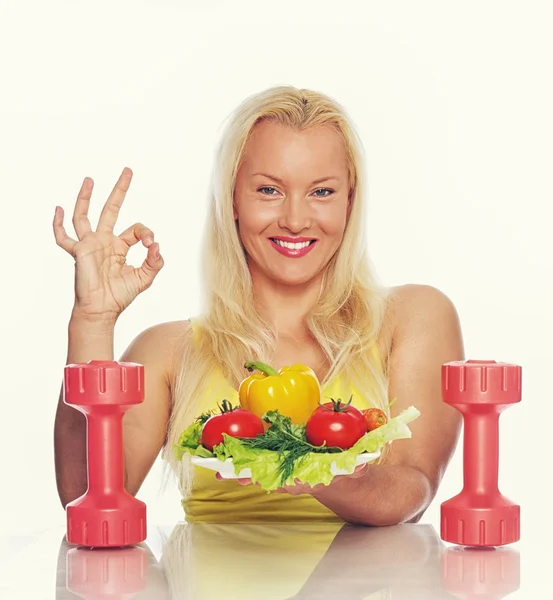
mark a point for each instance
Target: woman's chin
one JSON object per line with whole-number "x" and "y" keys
{"x": 291, "y": 279}
{"x": 286, "y": 275}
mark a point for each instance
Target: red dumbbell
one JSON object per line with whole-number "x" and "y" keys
{"x": 106, "y": 515}
{"x": 480, "y": 515}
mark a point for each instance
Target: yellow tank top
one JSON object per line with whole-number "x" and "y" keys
{"x": 214, "y": 501}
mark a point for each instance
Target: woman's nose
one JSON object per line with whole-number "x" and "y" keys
{"x": 295, "y": 214}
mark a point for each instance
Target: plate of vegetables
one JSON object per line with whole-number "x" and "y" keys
{"x": 277, "y": 440}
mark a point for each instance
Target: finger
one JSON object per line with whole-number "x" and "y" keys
{"x": 80, "y": 214}
{"x": 136, "y": 233}
{"x": 108, "y": 216}
{"x": 62, "y": 239}
{"x": 152, "y": 265}
{"x": 359, "y": 471}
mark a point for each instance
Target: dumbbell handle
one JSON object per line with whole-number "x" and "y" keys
{"x": 481, "y": 448}
{"x": 105, "y": 450}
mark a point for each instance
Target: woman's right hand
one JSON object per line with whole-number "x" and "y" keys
{"x": 104, "y": 284}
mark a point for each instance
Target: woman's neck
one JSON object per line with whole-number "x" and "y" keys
{"x": 285, "y": 306}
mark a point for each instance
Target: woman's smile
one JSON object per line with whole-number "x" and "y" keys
{"x": 293, "y": 247}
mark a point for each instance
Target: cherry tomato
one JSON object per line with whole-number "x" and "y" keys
{"x": 236, "y": 422}
{"x": 335, "y": 424}
{"x": 374, "y": 417}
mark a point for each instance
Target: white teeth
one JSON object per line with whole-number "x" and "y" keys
{"x": 297, "y": 246}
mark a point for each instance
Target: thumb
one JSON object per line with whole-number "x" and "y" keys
{"x": 151, "y": 266}
{"x": 360, "y": 470}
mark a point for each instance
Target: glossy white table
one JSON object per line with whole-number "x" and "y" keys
{"x": 299, "y": 561}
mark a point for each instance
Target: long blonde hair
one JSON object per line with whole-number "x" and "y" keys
{"x": 348, "y": 317}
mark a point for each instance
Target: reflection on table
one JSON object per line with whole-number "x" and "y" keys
{"x": 289, "y": 561}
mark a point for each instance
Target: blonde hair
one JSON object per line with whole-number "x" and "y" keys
{"x": 347, "y": 319}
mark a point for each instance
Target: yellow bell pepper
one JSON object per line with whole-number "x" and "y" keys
{"x": 294, "y": 391}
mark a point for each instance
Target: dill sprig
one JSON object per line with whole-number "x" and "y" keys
{"x": 288, "y": 440}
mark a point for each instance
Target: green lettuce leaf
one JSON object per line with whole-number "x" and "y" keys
{"x": 263, "y": 463}
{"x": 203, "y": 452}
{"x": 189, "y": 441}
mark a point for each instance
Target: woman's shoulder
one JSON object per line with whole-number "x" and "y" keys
{"x": 406, "y": 295}
{"x": 169, "y": 331}
{"x": 158, "y": 344}
{"x": 414, "y": 302}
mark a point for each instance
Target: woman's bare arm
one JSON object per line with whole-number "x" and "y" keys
{"x": 427, "y": 335}
{"x": 144, "y": 426}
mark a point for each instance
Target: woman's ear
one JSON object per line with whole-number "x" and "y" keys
{"x": 234, "y": 212}
{"x": 350, "y": 203}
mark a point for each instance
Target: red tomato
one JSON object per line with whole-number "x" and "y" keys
{"x": 335, "y": 424}
{"x": 347, "y": 408}
{"x": 374, "y": 417}
{"x": 236, "y": 422}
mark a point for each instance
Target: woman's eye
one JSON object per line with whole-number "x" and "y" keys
{"x": 271, "y": 191}
{"x": 323, "y": 190}
{"x": 263, "y": 190}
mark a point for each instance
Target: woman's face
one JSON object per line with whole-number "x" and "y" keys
{"x": 291, "y": 201}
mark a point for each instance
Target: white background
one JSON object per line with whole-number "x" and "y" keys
{"x": 453, "y": 103}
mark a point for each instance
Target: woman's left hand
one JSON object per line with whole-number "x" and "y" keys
{"x": 301, "y": 488}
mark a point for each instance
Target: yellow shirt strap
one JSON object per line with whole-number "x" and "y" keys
{"x": 195, "y": 330}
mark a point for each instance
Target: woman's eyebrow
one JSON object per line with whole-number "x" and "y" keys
{"x": 320, "y": 180}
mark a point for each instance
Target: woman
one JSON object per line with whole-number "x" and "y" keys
{"x": 287, "y": 280}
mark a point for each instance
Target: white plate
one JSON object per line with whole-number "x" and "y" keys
{"x": 226, "y": 468}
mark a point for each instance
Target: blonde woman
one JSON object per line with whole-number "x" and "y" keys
{"x": 287, "y": 280}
